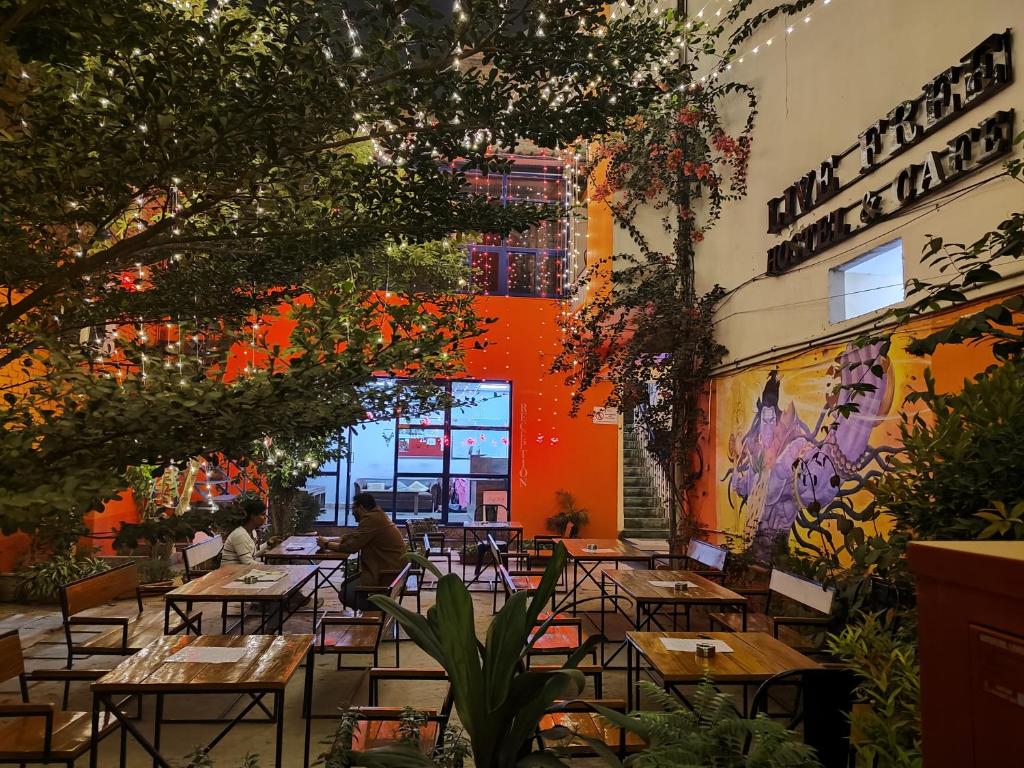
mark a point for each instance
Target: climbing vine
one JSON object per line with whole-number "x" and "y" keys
{"x": 648, "y": 330}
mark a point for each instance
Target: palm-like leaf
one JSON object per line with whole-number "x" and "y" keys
{"x": 498, "y": 702}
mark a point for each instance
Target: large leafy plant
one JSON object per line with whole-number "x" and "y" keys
{"x": 498, "y": 701}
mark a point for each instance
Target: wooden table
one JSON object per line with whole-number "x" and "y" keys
{"x": 304, "y": 550}
{"x": 479, "y": 531}
{"x": 266, "y": 665}
{"x": 587, "y": 555}
{"x": 648, "y": 597}
{"x": 756, "y": 657}
{"x": 224, "y": 586}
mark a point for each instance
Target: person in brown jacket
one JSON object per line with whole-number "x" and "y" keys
{"x": 381, "y": 549}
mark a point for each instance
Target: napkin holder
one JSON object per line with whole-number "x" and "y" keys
{"x": 705, "y": 650}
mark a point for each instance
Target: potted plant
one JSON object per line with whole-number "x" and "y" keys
{"x": 568, "y": 514}
{"x": 55, "y": 557}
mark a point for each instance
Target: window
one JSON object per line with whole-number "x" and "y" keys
{"x": 869, "y": 282}
{"x": 528, "y": 263}
{"x": 451, "y": 464}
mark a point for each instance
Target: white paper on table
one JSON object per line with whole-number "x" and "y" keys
{"x": 690, "y": 645}
{"x": 605, "y": 551}
{"x": 671, "y": 584}
{"x": 243, "y": 585}
{"x": 208, "y": 655}
{"x": 650, "y": 545}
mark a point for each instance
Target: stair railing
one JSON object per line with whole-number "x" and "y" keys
{"x": 655, "y": 473}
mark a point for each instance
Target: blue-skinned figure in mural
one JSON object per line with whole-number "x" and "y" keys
{"x": 783, "y": 469}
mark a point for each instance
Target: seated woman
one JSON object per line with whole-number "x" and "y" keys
{"x": 242, "y": 546}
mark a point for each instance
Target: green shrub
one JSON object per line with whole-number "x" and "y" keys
{"x": 960, "y": 459}
{"x": 887, "y": 723}
{"x": 711, "y": 733}
{"x": 42, "y": 581}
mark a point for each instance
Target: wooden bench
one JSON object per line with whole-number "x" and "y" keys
{"x": 702, "y": 557}
{"x": 202, "y": 557}
{"x": 784, "y": 586}
{"x": 96, "y": 606}
{"x": 40, "y": 733}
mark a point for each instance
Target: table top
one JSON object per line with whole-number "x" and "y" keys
{"x": 637, "y": 584}
{"x": 756, "y": 656}
{"x": 223, "y": 584}
{"x": 606, "y": 549}
{"x": 302, "y": 548}
{"x": 268, "y": 663}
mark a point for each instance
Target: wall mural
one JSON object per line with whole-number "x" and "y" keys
{"x": 787, "y": 462}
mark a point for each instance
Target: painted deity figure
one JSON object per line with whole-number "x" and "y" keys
{"x": 781, "y": 466}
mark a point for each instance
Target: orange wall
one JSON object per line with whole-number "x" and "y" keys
{"x": 550, "y": 451}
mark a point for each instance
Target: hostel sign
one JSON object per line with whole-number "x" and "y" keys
{"x": 980, "y": 74}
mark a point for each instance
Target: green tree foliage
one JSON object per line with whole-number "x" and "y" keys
{"x": 198, "y": 163}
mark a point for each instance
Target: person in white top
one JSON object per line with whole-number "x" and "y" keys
{"x": 241, "y": 546}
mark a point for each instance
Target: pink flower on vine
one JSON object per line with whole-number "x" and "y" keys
{"x": 696, "y": 236}
{"x": 703, "y": 170}
{"x": 724, "y": 144}
{"x": 675, "y": 159}
{"x": 689, "y": 116}
{"x": 688, "y": 168}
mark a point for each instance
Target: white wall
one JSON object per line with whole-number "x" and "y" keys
{"x": 819, "y": 88}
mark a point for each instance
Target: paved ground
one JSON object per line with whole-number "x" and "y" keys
{"x": 43, "y": 640}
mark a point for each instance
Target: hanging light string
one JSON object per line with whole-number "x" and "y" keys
{"x": 753, "y": 49}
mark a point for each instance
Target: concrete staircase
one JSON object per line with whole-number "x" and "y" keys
{"x": 643, "y": 517}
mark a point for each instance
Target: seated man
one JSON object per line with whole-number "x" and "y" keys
{"x": 241, "y": 546}
{"x": 380, "y": 545}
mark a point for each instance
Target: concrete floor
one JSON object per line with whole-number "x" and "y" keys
{"x": 334, "y": 690}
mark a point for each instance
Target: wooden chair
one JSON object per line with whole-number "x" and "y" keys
{"x": 435, "y": 550}
{"x": 380, "y": 726}
{"x": 202, "y": 557}
{"x": 560, "y": 730}
{"x": 362, "y": 634}
{"x": 549, "y": 540}
{"x": 39, "y": 733}
{"x": 89, "y": 605}
{"x": 702, "y": 557}
{"x": 783, "y": 586}
{"x": 511, "y": 581}
{"x": 563, "y": 637}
